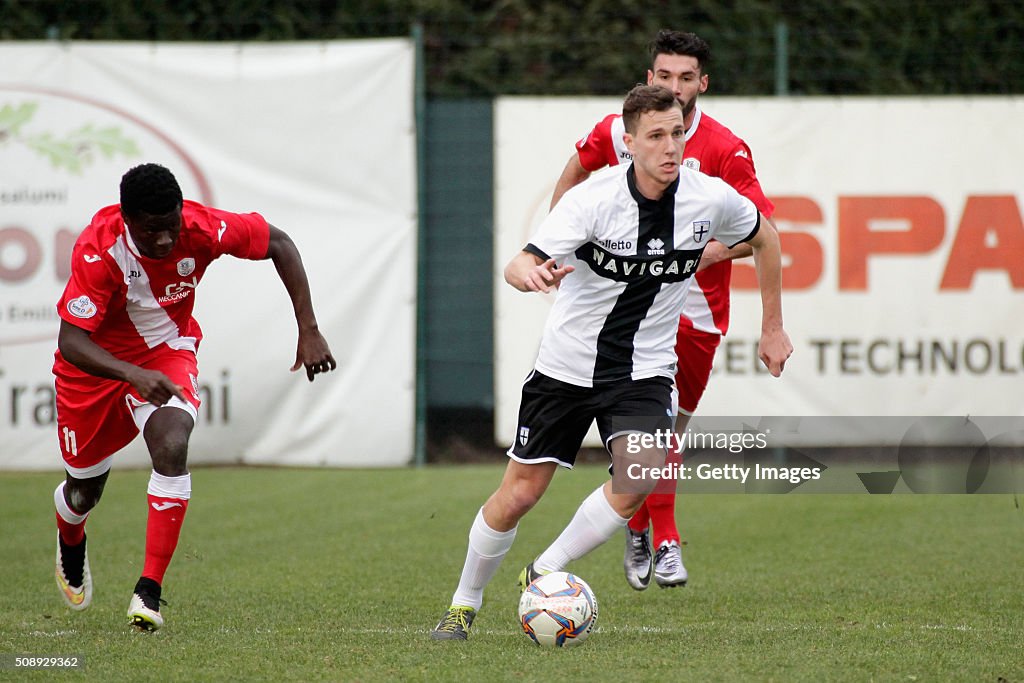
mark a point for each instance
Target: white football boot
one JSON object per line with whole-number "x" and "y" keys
{"x": 668, "y": 566}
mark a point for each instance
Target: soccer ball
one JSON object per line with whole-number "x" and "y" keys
{"x": 558, "y": 610}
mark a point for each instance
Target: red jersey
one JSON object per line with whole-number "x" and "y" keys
{"x": 714, "y": 150}
{"x": 132, "y": 304}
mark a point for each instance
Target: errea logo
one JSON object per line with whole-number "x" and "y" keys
{"x": 655, "y": 247}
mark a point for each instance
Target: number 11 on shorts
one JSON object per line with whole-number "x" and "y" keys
{"x": 70, "y": 442}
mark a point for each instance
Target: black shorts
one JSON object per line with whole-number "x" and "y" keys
{"x": 554, "y": 416}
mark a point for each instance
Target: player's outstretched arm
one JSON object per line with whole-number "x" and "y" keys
{"x": 313, "y": 353}
{"x": 78, "y": 348}
{"x": 529, "y": 273}
{"x": 774, "y": 348}
{"x": 572, "y": 175}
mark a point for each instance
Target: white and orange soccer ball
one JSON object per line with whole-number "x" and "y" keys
{"x": 558, "y": 610}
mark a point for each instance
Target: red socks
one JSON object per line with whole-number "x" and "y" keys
{"x": 659, "y": 510}
{"x": 662, "y": 509}
{"x": 168, "y": 501}
{"x": 162, "y": 530}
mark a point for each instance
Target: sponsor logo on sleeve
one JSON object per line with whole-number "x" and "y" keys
{"x": 91, "y": 258}
{"x": 82, "y": 307}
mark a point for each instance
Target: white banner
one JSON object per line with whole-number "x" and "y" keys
{"x": 902, "y": 237}
{"x": 317, "y": 137}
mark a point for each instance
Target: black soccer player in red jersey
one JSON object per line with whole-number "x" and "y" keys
{"x": 126, "y": 360}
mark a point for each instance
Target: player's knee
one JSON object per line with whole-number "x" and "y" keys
{"x": 521, "y": 496}
{"x": 167, "y": 434}
{"x": 169, "y": 452}
{"x": 83, "y": 498}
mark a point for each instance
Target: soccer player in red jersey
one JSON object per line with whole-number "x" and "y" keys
{"x": 126, "y": 360}
{"x": 678, "y": 62}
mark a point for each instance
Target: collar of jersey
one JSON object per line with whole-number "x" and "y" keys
{"x": 692, "y": 130}
{"x": 131, "y": 244}
{"x": 670, "y": 191}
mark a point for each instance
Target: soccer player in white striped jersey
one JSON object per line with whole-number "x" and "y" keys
{"x": 679, "y": 61}
{"x": 126, "y": 360}
{"x": 620, "y": 248}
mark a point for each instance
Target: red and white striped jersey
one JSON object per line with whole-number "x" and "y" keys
{"x": 132, "y": 304}
{"x": 714, "y": 150}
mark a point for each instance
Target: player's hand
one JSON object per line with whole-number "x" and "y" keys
{"x": 155, "y": 386}
{"x": 774, "y": 349}
{"x": 546, "y": 276}
{"x": 314, "y": 354}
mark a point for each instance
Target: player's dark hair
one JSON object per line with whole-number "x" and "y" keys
{"x": 150, "y": 189}
{"x": 645, "y": 98}
{"x": 669, "y": 42}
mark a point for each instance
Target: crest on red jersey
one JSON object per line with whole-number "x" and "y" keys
{"x": 186, "y": 266}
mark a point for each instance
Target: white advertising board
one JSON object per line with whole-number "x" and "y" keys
{"x": 902, "y": 236}
{"x": 317, "y": 137}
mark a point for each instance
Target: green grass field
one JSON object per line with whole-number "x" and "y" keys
{"x": 339, "y": 575}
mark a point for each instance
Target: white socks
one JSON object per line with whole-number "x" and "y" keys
{"x": 594, "y": 523}
{"x": 63, "y": 509}
{"x": 487, "y": 548}
{"x": 170, "y": 487}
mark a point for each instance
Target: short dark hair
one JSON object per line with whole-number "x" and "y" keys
{"x": 150, "y": 189}
{"x": 645, "y": 98}
{"x": 669, "y": 42}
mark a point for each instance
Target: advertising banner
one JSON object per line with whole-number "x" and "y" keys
{"x": 901, "y": 230}
{"x": 319, "y": 138}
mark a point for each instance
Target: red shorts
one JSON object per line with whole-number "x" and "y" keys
{"x": 695, "y": 354}
{"x": 95, "y": 416}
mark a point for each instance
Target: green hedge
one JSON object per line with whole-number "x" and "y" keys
{"x": 473, "y": 48}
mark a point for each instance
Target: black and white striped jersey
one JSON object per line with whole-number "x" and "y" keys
{"x": 615, "y": 318}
